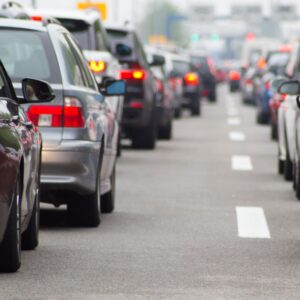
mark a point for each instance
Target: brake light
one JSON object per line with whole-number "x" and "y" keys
{"x": 234, "y": 75}
{"x": 136, "y": 104}
{"x": 46, "y": 116}
{"x": 37, "y": 18}
{"x": 267, "y": 85}
{"x": 191, "y": 79}
{"x": 97, "y": 66}
{"x": 160, "y": 86}
{"x": 249, "y": 82}
{"x": 133, "y": 74}
{"x": 70, "y": 115}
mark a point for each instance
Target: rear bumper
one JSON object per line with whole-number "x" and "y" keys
{"x": 72, "y": 167}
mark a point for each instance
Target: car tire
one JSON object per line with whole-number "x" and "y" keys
{"x": 196, "y": 107}
{"x": 177, "y": 113}
{"x": 145, "y": 138}
{"x": 10, "y": 248}
{"x": 108, "y": 199}
{"x": 288, "y": 169}
{"x": 30, "y": 238}
{"x": 274, "y": 132}
{"x": 212, "y": 97}
{"x": 280, "y": 166}
{"x": 165, "y": 132}
{"x": 85, "y": 210}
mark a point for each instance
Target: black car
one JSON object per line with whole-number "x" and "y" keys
{"x": 20, "y": 161}
{"x": 139, "y": 121}
{"x": 204, "y": 66}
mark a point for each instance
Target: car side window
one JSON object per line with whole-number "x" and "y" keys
{"x": 4, "y": 89}
{"x": 141, "y": 53}
{"x": 73, "y": 68}
{"x": 89, "y": 78}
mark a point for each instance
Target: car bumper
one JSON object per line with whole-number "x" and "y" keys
{"x": 72, "y": 167}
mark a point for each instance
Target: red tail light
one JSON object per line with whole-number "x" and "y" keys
{"x": 37, "y": 18}
{"x": 234, "y": 75}
{"x": 267, "y": 85}
{"x": 191, "y": 79}
{"x": 70, "y": 115}
{"x": 136, "y": 104}
{"x": 249, "y": 81}
{"x": 97, "y": 66}
{"x": 160, "y": 86}
{"x": 133, "y": 74}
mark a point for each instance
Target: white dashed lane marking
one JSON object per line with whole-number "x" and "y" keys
{"x": 237, "y": 136}
{"x": 241, "y": 163}
{"x": 252, "y": 223}
{"x": 233, "y": 121}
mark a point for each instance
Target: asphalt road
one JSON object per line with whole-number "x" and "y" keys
{"x": 203, "y": 217}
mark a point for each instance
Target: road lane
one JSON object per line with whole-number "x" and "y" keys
{"x": 174, "y": 232}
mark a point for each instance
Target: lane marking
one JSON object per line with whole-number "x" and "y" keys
{"x": 232, "y": 112}
{"x": 252, "y": 223}
{"x": 241, "y": 163}
{"x": 233, "y": 121}
{"x": 237, "y": 136}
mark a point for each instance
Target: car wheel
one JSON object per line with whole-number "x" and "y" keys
{"x": 85, "y": 210}
{"x": 30, "y": 238}
{"x": 274, "y": 132}
{"x": 108, "y": 199}
{"x": 212, "y": 96}
{"x": 196, "y": 107}
{"x": 178, "y": 113}
{"x": 288, "y": 168}
{"x": 165, "y": 132}
{"x": 10, "y": 248}
{"x": 146, "y": 138}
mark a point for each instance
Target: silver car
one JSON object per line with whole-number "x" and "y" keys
{"x": 79, "y": 128}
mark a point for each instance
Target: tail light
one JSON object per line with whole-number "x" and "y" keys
{"x": 70, "y": 115}
{"x": 37, "y": 18}
{"x": 234, "y": 75}
{"x": 160, "y": 86}
{"x": 97, "y": 66}
{"x": 267, "y": 85}
{"x": 136, "y": 104}
{"x": 249, "y": 81}
{"x": 283, "y": 97}
{"x": 133, "y": 74}
{"x": 191, "y": 79}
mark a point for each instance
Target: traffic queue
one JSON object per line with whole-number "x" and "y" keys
{"x": 72, "y": 87}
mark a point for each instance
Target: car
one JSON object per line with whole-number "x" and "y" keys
{"x": 191, "y": 85}
{"x": 139, "y": 122}
{"x": 87, "y": 28}
{"x": 275, "y": 65}
{"x": 234, "y": 80}
{"x": 247, "y": 85}
{"x": 79, "y": 128}
{"x": 20, "y": 161}
{"x": 165, "y": 95}
{"x": 205, "y": 68}
{"x": 287, "y": 119}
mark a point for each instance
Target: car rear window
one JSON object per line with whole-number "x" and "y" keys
{"x": 79, "y": 29}
{"x": 278, "y": 59}
{"x": 200, "y": 62}
{"x": 181, "y": 67}
{"x": 30, "y": 54}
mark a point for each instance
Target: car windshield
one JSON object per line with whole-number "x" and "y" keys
{"x": 79, "y": 29}
{"x": 28, "y": 54}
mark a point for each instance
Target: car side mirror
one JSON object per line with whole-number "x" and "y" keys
{"x": 289, "y": 88}
{"x": 157, "y": 61}
{"x": 123, "y": 50}
{"x": 112, "y": 87}
{"x": 36, "y": 91}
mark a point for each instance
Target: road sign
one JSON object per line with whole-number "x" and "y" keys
{"x": 203, "y": 13}
{"x": 246, "y": 12}
{"x": 285, "y": 11}
{"x": 100, "y": 6}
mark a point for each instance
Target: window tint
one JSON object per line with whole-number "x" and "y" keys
{"x": 28, "y": 54}
{"x": 73, "y": 68}
{"x": 4, "y": 91}
{"x": 181, "y": 67}
{"x": 80, "y": 30}
{"x": 89, "y": 77}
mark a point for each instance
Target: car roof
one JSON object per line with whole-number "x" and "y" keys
{"x": 23, "y": 24}
{"x": 87, "y": 15}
